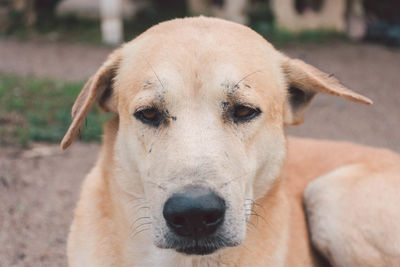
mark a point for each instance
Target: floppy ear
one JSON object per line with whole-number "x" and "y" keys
{"x": 99, "y": 88}
{"x": 303, "y": 82}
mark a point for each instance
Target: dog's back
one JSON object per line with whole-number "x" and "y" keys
{"x": 351, "y": 202}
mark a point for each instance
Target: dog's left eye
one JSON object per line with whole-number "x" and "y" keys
{"x": 151, "y": 116}
{"x": 244, "y": 113}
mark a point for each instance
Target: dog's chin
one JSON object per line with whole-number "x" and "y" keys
{"x": 201, "y": 247}
{"x": 198, "y": 250}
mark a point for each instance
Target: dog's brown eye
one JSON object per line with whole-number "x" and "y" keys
{"x": 244, "y": 113}
{"x": 150, "y": 116}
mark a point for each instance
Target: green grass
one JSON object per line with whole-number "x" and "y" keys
{"x": 39, "y": 110}
{"x": 282, "y": 38}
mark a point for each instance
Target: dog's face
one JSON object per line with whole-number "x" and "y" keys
{"x": 202, "y": 104}
{"x": 199, "y": 120}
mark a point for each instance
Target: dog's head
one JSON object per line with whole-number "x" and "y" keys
{"x": 202, "y": 104}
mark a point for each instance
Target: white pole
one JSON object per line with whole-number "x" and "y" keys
{"x": 111, "y": 21}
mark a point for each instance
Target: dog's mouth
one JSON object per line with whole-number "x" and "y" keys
{"x": 202, "y": 246}
{"x": 198, "y": 250}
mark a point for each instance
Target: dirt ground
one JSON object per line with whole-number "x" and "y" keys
{"x": 39, "y": 186}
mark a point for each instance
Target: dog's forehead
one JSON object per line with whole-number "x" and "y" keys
{"x": 167, "y": 76}
{"x": 195, "y": 54}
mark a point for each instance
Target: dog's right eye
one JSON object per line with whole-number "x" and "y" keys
{"x": 151, "y": 116}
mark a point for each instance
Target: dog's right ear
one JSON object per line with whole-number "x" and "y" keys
{"x": 99, "y": 88}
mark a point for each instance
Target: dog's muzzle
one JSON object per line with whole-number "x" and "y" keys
{"x": 194, "y": 216}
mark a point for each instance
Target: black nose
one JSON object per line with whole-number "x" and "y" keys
{"x": 196, "y": 212}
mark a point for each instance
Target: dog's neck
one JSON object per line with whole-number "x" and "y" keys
{"x": 265, "y": 245}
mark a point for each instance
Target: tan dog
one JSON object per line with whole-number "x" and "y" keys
{"x": 192, "y": 169}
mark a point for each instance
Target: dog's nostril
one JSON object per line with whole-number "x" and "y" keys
{"x": 196, "y": 212}
{"x": 179, "y": 221}
{"x": 212, "y": 218}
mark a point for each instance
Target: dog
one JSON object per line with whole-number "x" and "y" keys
{"x": 196, "y": 170}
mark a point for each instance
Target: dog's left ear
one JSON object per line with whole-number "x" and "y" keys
{"x": 99, "y": 88}
{"x": 303, "y": 82}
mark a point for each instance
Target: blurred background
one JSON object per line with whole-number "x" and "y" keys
{"x": 48, "y": 48}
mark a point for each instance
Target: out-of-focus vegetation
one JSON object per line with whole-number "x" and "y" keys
{"x": 73, "y": 29}
{"x": 65, "y": 29}
{"x": 38, "y": 20}
{"x": 262, "y": 21}
{"x": 50, "y": 27}
{"x": 384, "y": 26}
{"x": 39, "y": 110}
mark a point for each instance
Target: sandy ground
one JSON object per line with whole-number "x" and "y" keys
{"x": 71, "y": 62}
{"x": 39, "y": 186}
{"x": 38, "y": 191}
